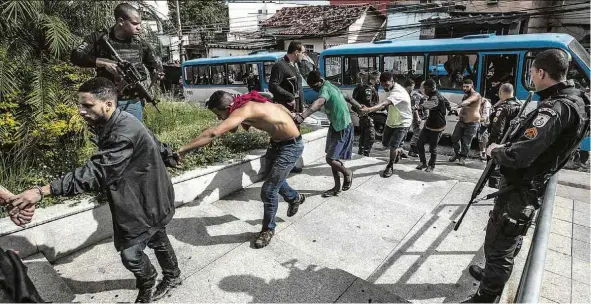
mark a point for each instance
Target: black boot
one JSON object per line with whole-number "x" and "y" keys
{"x": 144, "y": 295}
{"x": 165, "y": 286}
{"x": 479, "y": 297}
{"x": 476, "y": 272}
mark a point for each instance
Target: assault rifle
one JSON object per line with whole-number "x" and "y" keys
{"x": 132, "y": 79}
{"x": 490, "y": 167}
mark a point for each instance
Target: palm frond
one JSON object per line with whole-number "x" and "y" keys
{"x": 15, "y": 11}
{"x": 57, "y": 34}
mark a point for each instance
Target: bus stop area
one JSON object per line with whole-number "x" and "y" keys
{"x": 384, "y": 240}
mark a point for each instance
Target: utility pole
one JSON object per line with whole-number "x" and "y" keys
{"x": 178, "y": 20}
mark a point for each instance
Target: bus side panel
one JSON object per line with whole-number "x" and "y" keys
{"x": 200, "y": 94}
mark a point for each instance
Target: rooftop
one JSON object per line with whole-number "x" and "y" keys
{"x": 317, "y": 20}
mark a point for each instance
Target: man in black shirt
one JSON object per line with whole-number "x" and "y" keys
{"x": 125, "y": 39}
{"x": 435, "y": 124}
{"x": 130, "y": 167}
{"x": 285, "y": 82}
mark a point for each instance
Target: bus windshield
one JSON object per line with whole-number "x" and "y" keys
{"x": 580, "y": 51}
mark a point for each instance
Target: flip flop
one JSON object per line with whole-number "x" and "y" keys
{"x": 347, "y": 183}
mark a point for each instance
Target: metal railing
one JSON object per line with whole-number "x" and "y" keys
{"x": 530, "y": 284}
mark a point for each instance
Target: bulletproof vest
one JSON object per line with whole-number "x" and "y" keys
{"x": 559, "y": 153}
{"x": 130, "y": 50}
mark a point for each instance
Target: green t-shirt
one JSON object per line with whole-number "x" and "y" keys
{"x": 336, "y": 106}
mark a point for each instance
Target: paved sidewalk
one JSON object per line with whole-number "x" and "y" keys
{"x": 385, "y": 240}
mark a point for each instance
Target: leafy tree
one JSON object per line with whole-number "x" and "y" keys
{"x": 37, "y": 82}
{"x": 202, "y": 17}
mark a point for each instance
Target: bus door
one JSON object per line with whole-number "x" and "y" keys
{"x": 498, "y": 68}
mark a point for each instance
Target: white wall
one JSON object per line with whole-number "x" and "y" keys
{"x": 244, "y": 15}
{"x": 364, "y": 29}
{"x": 398, "y": 19}
{"x": 211, "y": 52}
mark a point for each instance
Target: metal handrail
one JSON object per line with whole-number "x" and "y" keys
{"x": 530, "y": 284}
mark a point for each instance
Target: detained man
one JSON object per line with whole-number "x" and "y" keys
{"x": 339, "y": 141}
{"x": 141, "y": 204}
{"x": 287, "y": 146}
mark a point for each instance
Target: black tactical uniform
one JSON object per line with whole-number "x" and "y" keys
{"x": 501, "y": 117}
{"x": 537, "y": 150}
{"x": 368, "y": 96}
{"x": 135, "y": 50}
{"x": 500, "y": 121}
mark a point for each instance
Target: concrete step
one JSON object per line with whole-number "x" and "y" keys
{"x": 49, "y": 284}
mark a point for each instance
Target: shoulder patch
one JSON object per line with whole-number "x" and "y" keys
{"x": 531, "y": 133}
{"x": 540, "y": 120}
{"x": 82, "y": 46}
{"x": 549, "y": 111}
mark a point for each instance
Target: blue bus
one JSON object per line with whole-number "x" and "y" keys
{"x": 201, "y": 77}
{"x": 487, "y": 59}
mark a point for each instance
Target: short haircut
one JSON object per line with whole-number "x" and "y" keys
{"x": 124, "y": 10}
{"x": 314, "y": 77}
{"x": 216, "y": 100}
{"x": 374, "y": 77}
{"x": 506, "y": 88}
{"x": 554, "y": 62}
{"x": 102, "y": 88}
{"x": 430, "y": 83}
{"x": 468, "y": 81}
{"x": 409, "y": 83}
{"x": 386, "y": 76}
{"x": 294, "y": 46}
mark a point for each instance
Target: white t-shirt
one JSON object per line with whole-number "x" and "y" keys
{"x": 399, "y": 111}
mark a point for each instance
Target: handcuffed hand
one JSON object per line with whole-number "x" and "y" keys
{"x": 26, "y": 199}
{"x": 21, "y": 217}
{"x": 298, "y": 118}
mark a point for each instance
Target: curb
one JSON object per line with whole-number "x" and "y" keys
{"x": 63, "y": 229}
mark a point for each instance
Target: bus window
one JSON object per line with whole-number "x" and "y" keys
{"x": 332, "y": 70}
{"x": 574, "y": 73}
{"x": 497, "y": 69}
{"x": 237, "y": 73}
{"x": 449, "y": 71}
{"x": 357, "y": 69}
{"x": 202, "y": 76}
{"x": 189, "y": 74}
{"x": 405, "y": 67}
{"x": 218, "y": 74}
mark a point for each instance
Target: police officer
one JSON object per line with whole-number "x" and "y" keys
{"x": 124, "y": 37}
{"x": 539, "y": 148}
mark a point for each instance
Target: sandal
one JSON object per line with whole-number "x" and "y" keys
{"x": 331, "y": 192}
{"x": 348, "y": 181}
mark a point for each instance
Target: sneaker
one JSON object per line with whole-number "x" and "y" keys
{"x": 403, "y": 154}
{"x": 430, "y": 168}
{"x": 264, "y": 238}
{"x": 389, "y": 171}
{"x": 476, "y": 272}
{"x": 144, "y": 295}
{"x": 165, "y": 286}
{"x": 295, "y": 205}
{"x": 413, "y": 154}
{"x": 453, "y": 158}
{"x": 366, "y": 154}
{"x": 421, "y": 167}
{"x": 462, "y": 162}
